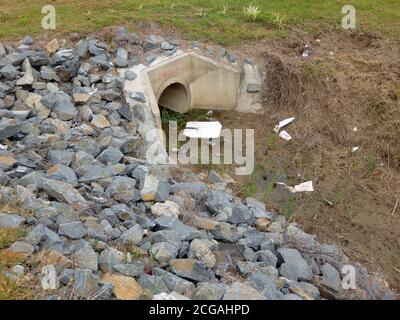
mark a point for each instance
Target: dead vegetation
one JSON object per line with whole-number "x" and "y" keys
{"x": 346, "y": 94}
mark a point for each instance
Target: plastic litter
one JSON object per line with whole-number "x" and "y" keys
{"x": 285, "y": 136}
{"x": 203, "y": 129}
{"x": 283, "y": 123}
{"x": 302, "y": 187}
{"x": 354, "y": 149}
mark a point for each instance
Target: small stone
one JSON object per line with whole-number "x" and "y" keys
{"x": 85, "y": 257}
{"x": 110, "y": 155}
{"x": 125, "y": 288}
{"x": 84, "y": 283}
{"x": 81, "y": 98}
{"x": 133, "y": 236}
{"x": 209, "y": 291}
{"x": 165, "y": 45}
{"x": 100, "y": 122}
{"x": 109, "y": 258}
{"x": 241, "y": 291}
{"x": 73, "y": 230}
{"x": 168, "y": 209}
{"x": 52, "y": 47}
{"x": 7, "y": 163}
{"x": 9, "y": 72}
{"x": 9, "y": 128}
{"x": 21, "y": 248}
{"x": 214, "y": 177}
{"x": 61, "y": 172}
{"x": 163, "y": 252}
{"x": 152, "y": 189}
{"x": 175, "y": 283}
{"x": 130, "y": 75}
{"x": 186, "y": 232}
{"x": 123, "y": 188}
{"x": 27, "y": 78}
{"x": 138, "y": 96}
{"x": 152, "y": 283}
{"x": 10, "y": 220}
{"x": 199, "y": 250}
{"x": 294, "y": 266}
{"x": 191, "y": 269}
{"x": 62, "y": 191}
{"x": 27, "y": 40}
{"x": 331, "y": 277}
{"x": 131, "y": 269}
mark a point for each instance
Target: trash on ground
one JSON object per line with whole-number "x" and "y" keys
{"x": 306, "y": 51}
{"x": 302, "y": 187}
{"x": 3, "y": 147}
{"x": 283, "y": 123}
{"x": 285, "y": 136}
{"x": 354, "y": 149}
{"x": 203, "y": 129}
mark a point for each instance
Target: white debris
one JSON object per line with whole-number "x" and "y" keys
{"x": 283, "y": 123}
{"x": 203, "y": 129}
{"x": 285, "y": 136}
{"x": 302, "y": 187}
{"x": 354, "y": 149}
{"x": 169, "y": 296}
{"x": 3, "y": 147}
{"x": 355, "y": 129}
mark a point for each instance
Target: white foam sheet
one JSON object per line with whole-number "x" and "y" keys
{"x": 203, "y": 129}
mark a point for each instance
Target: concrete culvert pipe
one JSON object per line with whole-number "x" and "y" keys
{"x": 175, "y": 97}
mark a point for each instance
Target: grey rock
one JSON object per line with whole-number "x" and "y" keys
{"x": 155, "y": 284}
{"x": 49, "y": 74}
{"x": 61, "y": 104}
{"x": 10, "y": 220}
{"x": 163, "y": 252}
{"x": 291, "y": 296}
{"x": 73, "y": 230}
{"x": 331, "y": 277}
{"x": 186, "y": 232}
{"x": 2, "y": 51}
{"x": 27, "y": 40}
{"x": 133, "y": 236}
{"x": 310, "y": 289}
{"x": 169, "y": 236}
{"x": 165, "y": 45}
{"x": 110, "y": 155}
{"x": 209, "y": 291}
{"x": 85, "y": 257}
{"x": 293, "y": 235}
{"x": 9, "y": 128}
{"x": 217, "y": 201}
{"x": 62, "y": 191}
{"x": 61, "y": 172}
{"x": 173, "y": 282}
{"x": 138, "y": 96}
{"x": 9, "y": 72}
{"x": 131, "y": 269}
{"x": 130, "y": 75}
{"x": 265, "y": 284}
{"x": 201, "y": 251}
{"x": 109, "y": 258}
{"x": 63, "y": 157}
{"x": 22, "y": 248}
{"x": 41, "y": 234}
{"x": 27, "y": 78}
{"x": 267, "y": 257}
{"x": 123, "y": 188}
{"x": 241, "y": 291}
{"x": 214, "y": 177}
{"x": 66, "y": 275}
{"x": 84, "y": 283}
{"x": 294, "y": 267}
{"x": 191, "y": 269}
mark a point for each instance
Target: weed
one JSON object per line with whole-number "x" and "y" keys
{"x": 224, "y": 10}
{"x": 278, "y": 20}
{"x": 372, "y": 162}
{"x": 251, "y": 12}
{"x": 271, "y": 140}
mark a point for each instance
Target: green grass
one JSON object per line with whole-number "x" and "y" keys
{"x": 222, "y": 21}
